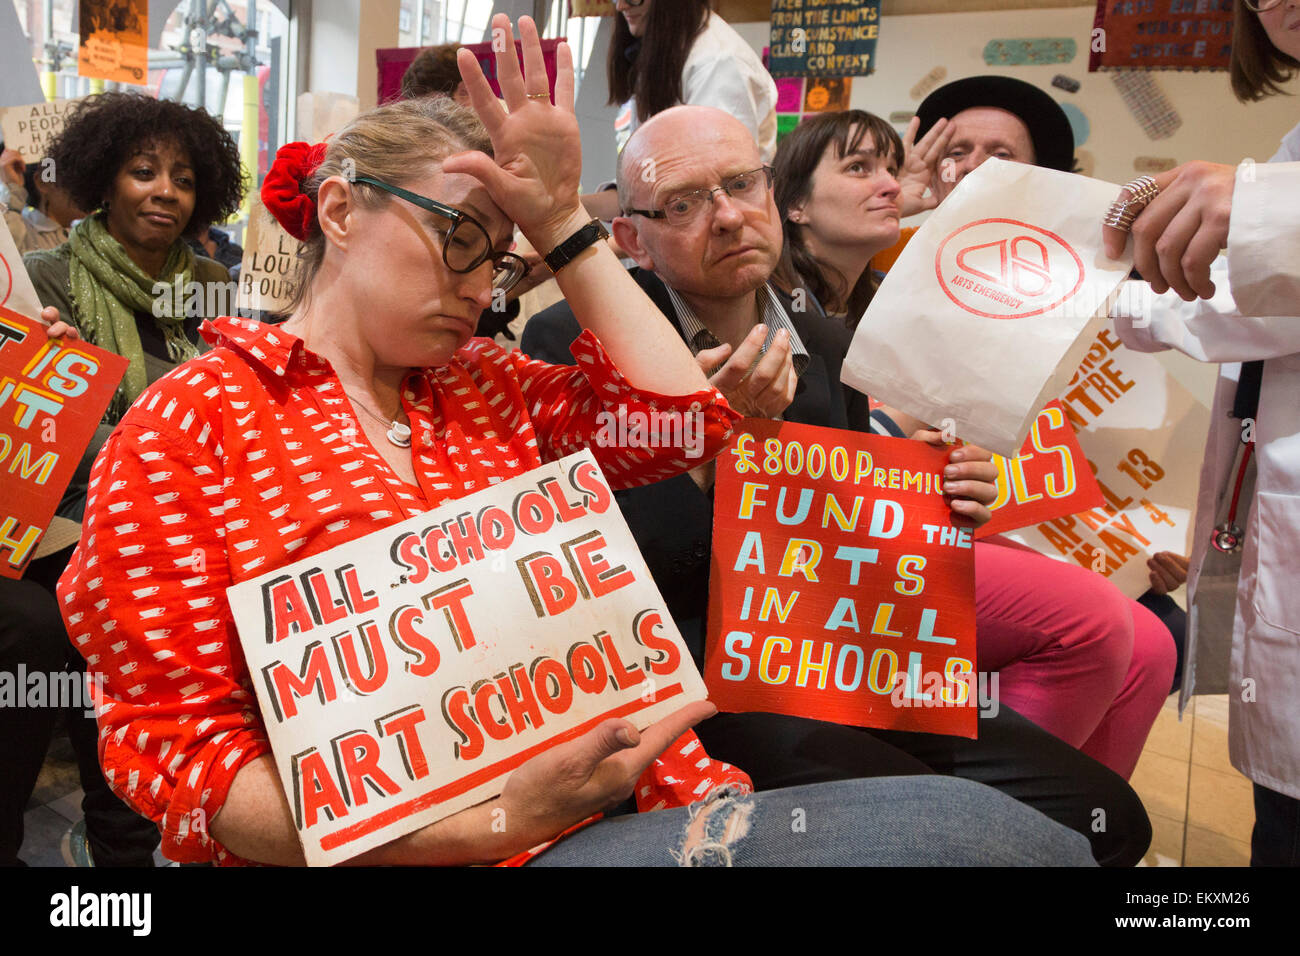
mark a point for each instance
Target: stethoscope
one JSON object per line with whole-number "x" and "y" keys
{"x": 1227, "y": 536}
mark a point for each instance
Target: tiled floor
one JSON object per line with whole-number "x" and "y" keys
{"x": 1201, "y": 809}
{"x": 55, "y": 805}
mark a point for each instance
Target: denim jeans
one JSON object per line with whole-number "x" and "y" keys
{"x": 1011, "y": 755}
{"x": 884, "y": 821}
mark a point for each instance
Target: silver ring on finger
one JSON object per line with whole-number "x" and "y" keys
{"x": 1123, "y": 212}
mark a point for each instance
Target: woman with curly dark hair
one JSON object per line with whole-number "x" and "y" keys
{"x": 125, "y": 276}
{"x": 148, "y": 169}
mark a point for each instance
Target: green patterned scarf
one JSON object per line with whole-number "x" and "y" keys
{"x": 108, "y": 289}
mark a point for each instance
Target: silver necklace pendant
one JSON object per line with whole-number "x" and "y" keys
{"x": 400, "y": 435}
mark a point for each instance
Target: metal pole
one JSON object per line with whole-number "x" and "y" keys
{"x": 202, "y": 53}
{"x": 49, "y": 79}
{"x": 250, "y": 132}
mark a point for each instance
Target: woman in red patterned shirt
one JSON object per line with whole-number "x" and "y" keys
{"x": 370, "y": 404}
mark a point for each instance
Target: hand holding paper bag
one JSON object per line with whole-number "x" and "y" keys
{"x": 991, "y": 306}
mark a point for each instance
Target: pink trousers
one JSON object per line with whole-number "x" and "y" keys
{"x": 1075, "y": 655}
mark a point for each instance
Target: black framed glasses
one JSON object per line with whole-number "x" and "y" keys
{"x": 466, "y": 244}
{"x": 748, "y": 189}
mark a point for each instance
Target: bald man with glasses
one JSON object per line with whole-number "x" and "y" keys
{"x": 700, "y": 219}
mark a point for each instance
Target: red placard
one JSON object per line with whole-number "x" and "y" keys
{"x": 1141, "y": 34}
{"x": 52, "y": 396}
{"x": 1050, "y": 478}
{"x": 842, "y": 587}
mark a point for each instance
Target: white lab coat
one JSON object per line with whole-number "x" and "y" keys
{"x": 1255, "y": 314}
{"x": 722, "y": 71}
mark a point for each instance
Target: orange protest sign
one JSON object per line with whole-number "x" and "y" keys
{"x": 52, "y": 396}
{"x": 1144, "y": 437}
{"x": 1050, "y": 477}
{"x": 114, "y": 40}
{"x": 841, "y": 587}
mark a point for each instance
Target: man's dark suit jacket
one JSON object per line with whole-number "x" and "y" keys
{"x": 672, "y": 520}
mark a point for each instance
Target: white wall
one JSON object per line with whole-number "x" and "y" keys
{"x": 343, "y": 44}
{"x": 1215, "y": 126}
{"x": 595, "y": 119}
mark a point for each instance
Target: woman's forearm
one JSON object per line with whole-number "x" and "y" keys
{"x": 256, "y": 823}
{"x": 636, "y": 335}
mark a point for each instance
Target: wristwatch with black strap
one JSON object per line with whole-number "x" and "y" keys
{"x": 590, "y": 234}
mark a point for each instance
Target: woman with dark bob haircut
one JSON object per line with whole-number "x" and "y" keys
{"x": 1258, "y": 67}
{"x": 147, "y": 168}
{"x": 1076, "y": 656}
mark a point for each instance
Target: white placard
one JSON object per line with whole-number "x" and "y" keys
{"x": 404, "y": 675}
{"x": 31, "y": 129}
{"x": 268, "y": 273}
{"x": 1145, "y": 435}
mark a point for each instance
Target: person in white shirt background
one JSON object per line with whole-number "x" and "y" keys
{"x": 668, "y": 52}
{"x": 1240, "y": 308}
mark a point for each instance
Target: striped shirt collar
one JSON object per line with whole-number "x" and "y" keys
{"x": 699, "y": 338}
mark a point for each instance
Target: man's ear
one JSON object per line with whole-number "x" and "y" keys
{"x": 334, "y": 206}
{"x": 629, "y": 240}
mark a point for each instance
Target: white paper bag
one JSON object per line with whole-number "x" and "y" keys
{"x": 16, "y": 289}
{"x": 990, "y": 308}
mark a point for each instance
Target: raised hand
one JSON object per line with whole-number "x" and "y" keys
{"x": 535, "y": 175}
{"x": 764, "y": 392}
{"x": 921, "y": 166}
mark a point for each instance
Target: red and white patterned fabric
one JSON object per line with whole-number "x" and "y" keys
{"x": 250, "y": 457}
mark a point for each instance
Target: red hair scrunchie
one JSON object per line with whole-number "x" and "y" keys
{"x": 282, "y": 188}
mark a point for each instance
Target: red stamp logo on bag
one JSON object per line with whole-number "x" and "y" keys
{"x": 6, "y": 281}
{"x": 1007, "y": 269}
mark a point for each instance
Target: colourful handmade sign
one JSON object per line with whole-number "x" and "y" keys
{"x": 842, "y": 587}
{"x": 1144, "y": 437}
{"x": 16, "y": 289}
{"x": 404, "y": 675}
{"x": 114, "y": 40}
{"x": 1050, "y": 477}
{"x": 52, "y": 396}
{"x": 824, "y": 37}
{"x": 1151, "y": 35}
